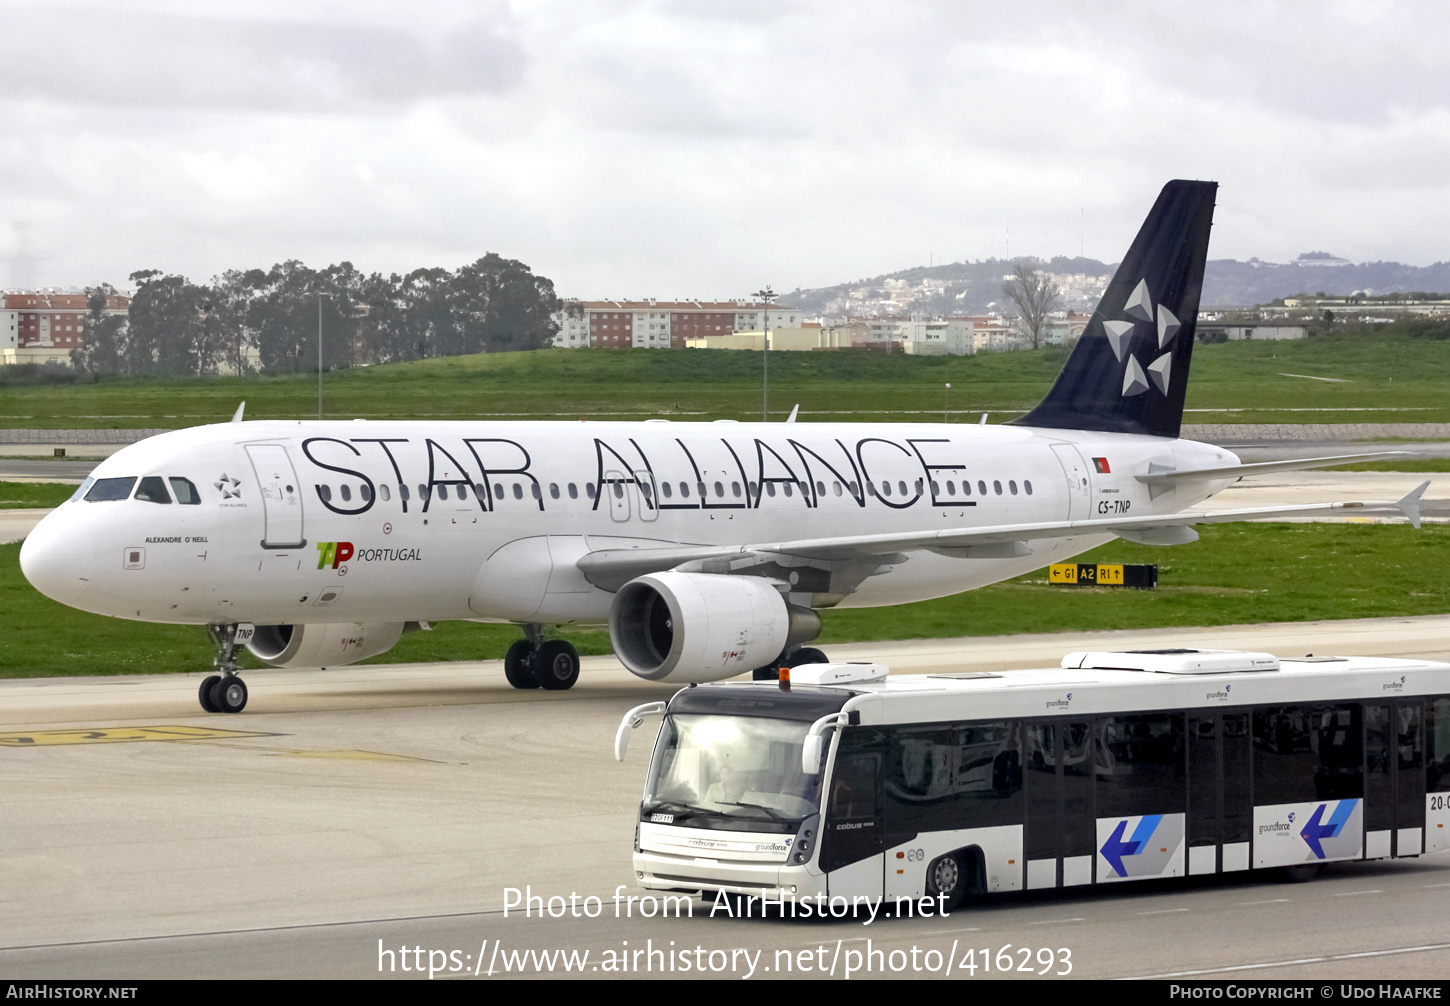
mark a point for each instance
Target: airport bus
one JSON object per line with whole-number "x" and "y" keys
{"x": 848, "y": 782}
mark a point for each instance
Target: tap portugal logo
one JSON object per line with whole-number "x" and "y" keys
{"x": 332, "y": 553}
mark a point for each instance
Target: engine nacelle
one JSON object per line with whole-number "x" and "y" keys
{"x": 683, "y": 627}
{"x": 323, "y": 645}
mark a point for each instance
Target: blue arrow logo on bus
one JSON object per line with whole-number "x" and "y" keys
{"x": 1314, "y": 832}
{"x": 1114, "y": 849}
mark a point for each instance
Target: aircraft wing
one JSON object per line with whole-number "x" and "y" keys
{"x": 1173, "y": 476}
{"x": 612, "y": 568}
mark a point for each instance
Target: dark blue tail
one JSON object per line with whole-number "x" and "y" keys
{"x": 1129, "y": 371}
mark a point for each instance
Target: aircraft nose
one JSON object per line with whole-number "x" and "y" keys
{"x": 57, "y": 560}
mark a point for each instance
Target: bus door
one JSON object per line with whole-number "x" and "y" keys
{"x": 1058, "y": 778}
{"x": 1220, "y": 800}
{"x": 1394, "y": 780}
{"x": 853, "y": 853}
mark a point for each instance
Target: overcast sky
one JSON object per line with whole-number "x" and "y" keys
{"x": 704, "y": 148}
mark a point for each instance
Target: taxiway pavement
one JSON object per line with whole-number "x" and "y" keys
{"x": 145, "y": 838}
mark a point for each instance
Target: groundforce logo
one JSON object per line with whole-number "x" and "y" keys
{"x": 335, "y": 553}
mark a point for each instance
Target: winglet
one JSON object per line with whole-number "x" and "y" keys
{"x": 237, "y": 416}
{"x": 791, "y": 417}
{"x": 1410, "y": 504}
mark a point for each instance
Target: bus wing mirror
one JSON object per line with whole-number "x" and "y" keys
{"x": 631, "y": 722}
{"x": 815, "y": 742}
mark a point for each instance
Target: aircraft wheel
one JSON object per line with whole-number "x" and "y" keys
{"x": 229, "y": 694}
{"x": 946, "y": 876}
{"x": 518, "y": 665}
{"x": 806, "y": 655}
{"x": 557, "y": 665}
{"x": 204, "y": 693}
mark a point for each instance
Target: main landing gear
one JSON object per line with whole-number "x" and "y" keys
{"x": 224, "y": 692}
{"x": 534, "y": 662}
{"x": 804, "y": 655}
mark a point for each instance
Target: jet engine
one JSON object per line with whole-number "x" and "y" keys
{"x": 323, "y": 645}
{"x": 683, "y": 627}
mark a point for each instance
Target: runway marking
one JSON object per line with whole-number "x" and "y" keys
{"x": 120, "y": 735}
{"x": 1053, "y": 922}
{"x": 1164, "y": 911}
{"x": 1355, "y": 894}
{"x": 1291, "y": 963}
{"x": 348, "y": 755}
{"x": 1271, "y": 901}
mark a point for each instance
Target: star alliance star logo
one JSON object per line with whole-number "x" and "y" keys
{"x": 1120, "y": 335}
{"x": 230, "y": 487}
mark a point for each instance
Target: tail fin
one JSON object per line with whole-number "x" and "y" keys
{"x": 1129, "y": 371}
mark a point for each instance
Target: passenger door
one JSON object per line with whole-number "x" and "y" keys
{"x": 281, "y": 496}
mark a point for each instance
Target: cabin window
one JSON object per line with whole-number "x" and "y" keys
{"x": 951, "y": 488}
{"x": 618, "y": 491}
{"x": 885, "y": 488}
{"x": 185, "y": 491}
{"x": 498, "y": 490}
{"x": 935, "y": 489}
{"x": 1028, "y": 486}
{"x": 1012, "y": 485}
{"x": 667, "y": 490}
{"x": 902, "y": 487}
{"x": 997, "y": 487}
{"x": 735, "y": 489}
{"x": 853, "y": 487}
{"x": 365, "y": 493}
{"x": 383, "y": 492}
{"x": 442, "y": 492}
{"x": 836, "y": 487}
{"x": 870, "y": 488}
{"x": 573, "y": 492}
{"x": 770, "y": 488}
{"x": 589, "y": 488}
{"x": 719, "y": 490}
{"x": 346, "y": 493}
{"x": 918, "y": 487}
{"x": 535, "y": 491}
{"x": 789, "y": 486}
{"x": 701, "y": 486}
{"x": 644, "y": 489}
{"x": 518, "y": 491}
{"x": 981, "y": 487}
{"x": 684, "y": 490}
{"x": 325, "y": 492}
{"x": 553, "y": 490}
{"x": 153, "y": 490}
{"x": 402, "y": 492}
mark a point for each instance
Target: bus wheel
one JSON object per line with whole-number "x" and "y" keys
{"x": 945, "y": 876}
{"x": 1301, "y": 873}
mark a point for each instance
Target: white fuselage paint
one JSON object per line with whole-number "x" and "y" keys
{"x": 510, "y": 554}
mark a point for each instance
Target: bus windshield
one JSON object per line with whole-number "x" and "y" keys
{"x": 718, "y": 771}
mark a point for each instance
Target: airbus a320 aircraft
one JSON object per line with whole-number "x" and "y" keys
{"x": 708, "y": 548}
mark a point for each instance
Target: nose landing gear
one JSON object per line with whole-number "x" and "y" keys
{"x": 224, "y": 692}
{"x": 534, "y": 662}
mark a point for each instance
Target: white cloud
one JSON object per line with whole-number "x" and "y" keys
{"x": 633, "y": 148}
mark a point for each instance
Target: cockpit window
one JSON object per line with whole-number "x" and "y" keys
{"x": 81, "y": 491}
{"x": 185, "y": 491}
{"x": 153, "y": 490}
{"x": 110, "y": 489}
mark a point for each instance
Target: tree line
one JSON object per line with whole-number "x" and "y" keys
{"x": 272, "y": 317}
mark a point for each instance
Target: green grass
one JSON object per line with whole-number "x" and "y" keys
{"x": 1386, "y": 380}
{"x": 33, "y": 495}
{"x": 1236, "y": 573}
{"x": 1401, "y": 465}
